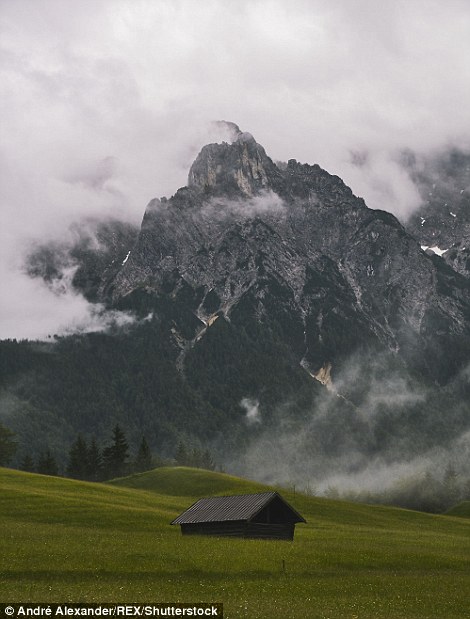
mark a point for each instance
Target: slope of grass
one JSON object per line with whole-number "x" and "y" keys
{"x": 186, "y": 481}
{"x": 462, "y": 510}
{"x": 64, "y": 540}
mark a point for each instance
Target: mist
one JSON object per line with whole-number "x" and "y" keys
{"x": 252, "y": 413}
{"x": 372, "y": 431}
{"x": 105, "y": 105}
{"x": 266, "y": 203}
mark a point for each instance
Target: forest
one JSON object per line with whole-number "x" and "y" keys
{"x": 62, "y": 399}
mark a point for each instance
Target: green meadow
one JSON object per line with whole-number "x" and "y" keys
{"x": 70, "y": 541}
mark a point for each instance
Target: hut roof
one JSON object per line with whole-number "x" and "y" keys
{"x": 235, "y": 507}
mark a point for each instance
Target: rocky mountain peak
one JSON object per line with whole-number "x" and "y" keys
{"x": 241, "y": 168}
{"x": 292, "y": 248}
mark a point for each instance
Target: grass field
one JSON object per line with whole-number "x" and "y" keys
{"x": 64, "y": 541}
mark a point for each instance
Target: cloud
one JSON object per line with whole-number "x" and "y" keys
{"x": 47, "y": 311}
{"x": 106, "y": 103}
{"x": 384, "y": 183}
{"x": 367, "y": 439}
{"x": 265, "y": 203}
{"x": 252, "y": 412}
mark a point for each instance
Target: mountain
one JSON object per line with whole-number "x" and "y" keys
{"x": 274, "y": 313}
{"x": 94, "y": 254}
{"x": 442, "y": 222}
{"x": 251, "y": 240}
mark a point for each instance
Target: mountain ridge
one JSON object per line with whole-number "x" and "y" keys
{"x": 243, "y": 222}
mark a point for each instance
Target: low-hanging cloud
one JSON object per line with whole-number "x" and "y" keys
{"x": 38, "y": 304}
{"x": 265, "y": 203}
{"x": 51, "y": 310}
{"x": 105, "y": 104}
{"x": 252, "y": 412}
{"x": 367, "y": 443}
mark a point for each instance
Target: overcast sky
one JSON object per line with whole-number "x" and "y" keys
{"x": 105, "y": 103}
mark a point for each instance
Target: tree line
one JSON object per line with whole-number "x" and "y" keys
{"x": 89, "y": 461}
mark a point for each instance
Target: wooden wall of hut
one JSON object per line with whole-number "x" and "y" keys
{"x": 252, "y": 530}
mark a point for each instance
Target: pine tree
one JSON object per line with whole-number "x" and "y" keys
{"x": 78, "y": 456}
{"x": 143, "y": 461}
{"x": 182, "y": 455}
{"x": 27, "y": 464}
{"x": 115, "y": 456}
{"x": 194, "y": 458}
{"x": 47, "y": 464}
{"x": 451, "y": 486}
{"x": 7, "y": 445}
{"x": 207, "y": 461}
{"x": 94, "y": 462}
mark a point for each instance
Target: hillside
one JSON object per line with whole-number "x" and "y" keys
{"x": 186, "y": 481}
{"x": 69, "y": 540}
{"x": 461, "y": 510}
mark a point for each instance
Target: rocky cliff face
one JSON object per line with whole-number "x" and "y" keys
{"x": 90, "y": 258}
{"x": 442, "y": 222}
{"x": 290, "y": 245}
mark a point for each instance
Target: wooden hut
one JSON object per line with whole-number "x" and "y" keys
{"x": 265, "y": 515}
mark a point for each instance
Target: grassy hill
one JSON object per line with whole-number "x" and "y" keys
{"x": 186, "y": 481}
{"x": 65, "y": 540}
{"x": 461, "y": 510}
